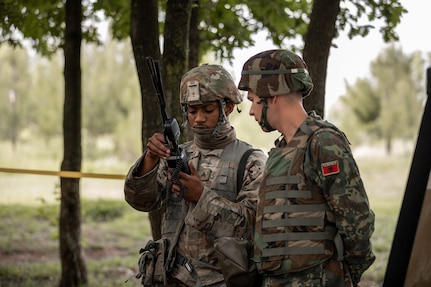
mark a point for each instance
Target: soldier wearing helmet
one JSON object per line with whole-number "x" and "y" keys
{"x": 217, "y": 201}
{"x": 313, "y": 222}
{"x": 275, "y": 73}
{"x": 209, "y": 84}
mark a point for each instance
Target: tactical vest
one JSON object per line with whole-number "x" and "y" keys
{"x": 295, "y": 228}
{"x": 226, "y": 184}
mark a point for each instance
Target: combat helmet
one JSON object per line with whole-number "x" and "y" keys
{"x": 274, "y": 73}
{"x": 208, "y": 83}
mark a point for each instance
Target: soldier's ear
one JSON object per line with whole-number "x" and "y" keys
{"x": 229, "y": 108}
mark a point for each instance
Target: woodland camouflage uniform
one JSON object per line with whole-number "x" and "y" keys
{"x": 314, "y": 222}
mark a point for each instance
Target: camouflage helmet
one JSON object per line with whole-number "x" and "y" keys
{"x": 274, "y": 73}
{"x": 208, "y": 83}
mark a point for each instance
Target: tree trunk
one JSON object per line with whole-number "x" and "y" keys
{"x": 144, "y": 34}
{"x": 388, "y": 146}
{"x": 145, "y": 42}
{"x": 194, "y": 41}
{"x": 13, "y": 102}
{"x": 194, "y": 48}
{"x": 317, "y": 43}
{"x": 74, "y": 272}
{"x": 175, "y": 53}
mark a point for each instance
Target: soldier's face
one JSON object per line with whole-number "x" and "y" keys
{"x": 256, "y": 106}
{"x": 204, "y": 116}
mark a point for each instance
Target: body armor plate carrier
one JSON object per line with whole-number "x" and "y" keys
{"x": 295, "y": 230}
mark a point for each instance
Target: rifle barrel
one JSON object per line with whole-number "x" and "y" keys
{"x": 154, "y": 67}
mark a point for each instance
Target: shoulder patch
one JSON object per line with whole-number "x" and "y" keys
{"x": 331, "y": 167}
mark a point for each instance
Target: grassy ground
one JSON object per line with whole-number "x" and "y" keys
{"x": 385, "y": 180}
{"x": 112, "y": 232}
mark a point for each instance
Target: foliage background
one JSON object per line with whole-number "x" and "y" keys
{"x": 31, "y": 100}
{"x": 30, "y": 132}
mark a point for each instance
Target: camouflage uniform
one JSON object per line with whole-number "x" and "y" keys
{"x": 336, "y": 207}
{"x": 313, "y": 223}
{"x": 219, "y": 211}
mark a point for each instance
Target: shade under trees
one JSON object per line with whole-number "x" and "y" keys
{"x": 51, "y": 25}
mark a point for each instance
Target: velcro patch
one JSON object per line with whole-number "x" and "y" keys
{"x": 331, "y": 167}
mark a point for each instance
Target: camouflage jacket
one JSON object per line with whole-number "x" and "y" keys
{"x": 312, "y": 185}
{"x": 211, "y": 217}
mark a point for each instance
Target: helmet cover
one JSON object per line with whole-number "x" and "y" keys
{"x": 208, "y": 83}
{"x": 274, "y": 73}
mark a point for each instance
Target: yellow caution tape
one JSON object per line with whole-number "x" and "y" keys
{"x": 63, "y": 173}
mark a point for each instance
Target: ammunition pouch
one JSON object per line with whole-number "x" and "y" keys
{"x": 234, "y": 257}
{"x": 154, "y": 262}
{"x": 157, "y": 266}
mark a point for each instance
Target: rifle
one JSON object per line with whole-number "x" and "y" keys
{"x": 171, "y": 131}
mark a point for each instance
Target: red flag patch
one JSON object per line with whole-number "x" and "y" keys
{"x": 331, "y": 167}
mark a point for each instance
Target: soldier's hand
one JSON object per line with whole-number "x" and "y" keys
{"x": 192, "y": 183}
{"x": 156, "y": 147}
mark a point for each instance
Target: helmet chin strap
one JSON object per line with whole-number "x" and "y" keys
{"x": 264, "y": 124}
{"x": 221, "y": 119}
{"x": 185, "y": 119}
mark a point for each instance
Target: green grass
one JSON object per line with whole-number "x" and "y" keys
{"x": 113, "y": 232}
{"x": 385, "y": 178}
